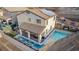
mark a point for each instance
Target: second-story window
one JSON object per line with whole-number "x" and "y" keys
{"x": 28, "y": 12}
{"x": 54, "y": 18}
{"x": 39, "y": 21}
{"x": 46, "y": 22}
{"x": 29, "y": 19}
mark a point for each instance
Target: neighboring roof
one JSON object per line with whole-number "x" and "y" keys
{"x": 3, "y": 18}
{"x": 4, "y": 12}
{"x": 69, "y": 10}
{"x": 0, "y": 10}
{"x": 15, "y": 9}
{"x": 71, "y": 17}
{"x": 71, "y": 13}
{"x": 38, "y": 12}
{"x": 32, "y": 28}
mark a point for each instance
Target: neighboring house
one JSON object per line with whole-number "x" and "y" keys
{"x": 36, "y": 23}
{"x": 2, "y": 14}
{"x": 6, "y": 15}
{"x": 69, "y": 13}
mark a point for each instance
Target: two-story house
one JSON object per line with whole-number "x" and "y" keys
{"x": 36, "y": 23}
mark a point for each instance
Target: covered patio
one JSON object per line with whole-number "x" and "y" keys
{"x": 32, "y": 31}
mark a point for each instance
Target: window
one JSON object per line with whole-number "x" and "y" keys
{"x": 29, "y": 19}
{"x": 46, "y": 31}
{"x": 39, "y": 21}
{"x": 47, "y": 22}
{"x": 28, "y": 12}
{"x": 50, "y": 27}
{"x": 54, "y": 18}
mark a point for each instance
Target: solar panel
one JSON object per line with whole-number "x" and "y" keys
{"x": 48, "y": 12}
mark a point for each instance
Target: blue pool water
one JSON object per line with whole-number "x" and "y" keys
{"x": 55, "y": 36}
{"x": 29, "y": 42}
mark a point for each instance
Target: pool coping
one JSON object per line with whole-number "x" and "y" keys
{"x": 53, "y": 31}
{"x": 54, "y": 42}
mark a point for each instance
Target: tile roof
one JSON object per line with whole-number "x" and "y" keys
{"x": 35, "y": 10}
{"x": 32, "y": 28}
{"x": 38, "y": 12}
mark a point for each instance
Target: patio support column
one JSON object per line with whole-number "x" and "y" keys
{"x": 20, "y": 31}
{"x": 28, "y": 34}
{"x": 39, "y": 38}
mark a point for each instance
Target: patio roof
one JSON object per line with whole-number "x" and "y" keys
{"x": 32, "y": 28}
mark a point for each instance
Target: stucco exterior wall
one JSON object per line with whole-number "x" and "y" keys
{"x": 50, "y": 26}
{"x": 25, "y": 18}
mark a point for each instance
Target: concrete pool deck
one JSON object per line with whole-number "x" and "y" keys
{"x": 51, "y": 42}
{"x": 7, "y": 46}
{"x": 17, "y": 44}
{"x": 23, "y": 47}
{"x": 49, "y": 37}
{"x": 64, "y": 45}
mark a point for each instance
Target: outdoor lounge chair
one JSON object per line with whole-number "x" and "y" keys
{"x": 73, "y": 29}
{"x": 65, "y": 27}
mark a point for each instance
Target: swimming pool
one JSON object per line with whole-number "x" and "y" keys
{"x": 54, "y": 36}
{"x": 58, "y": 35}
{"x": 29, "y": 42}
